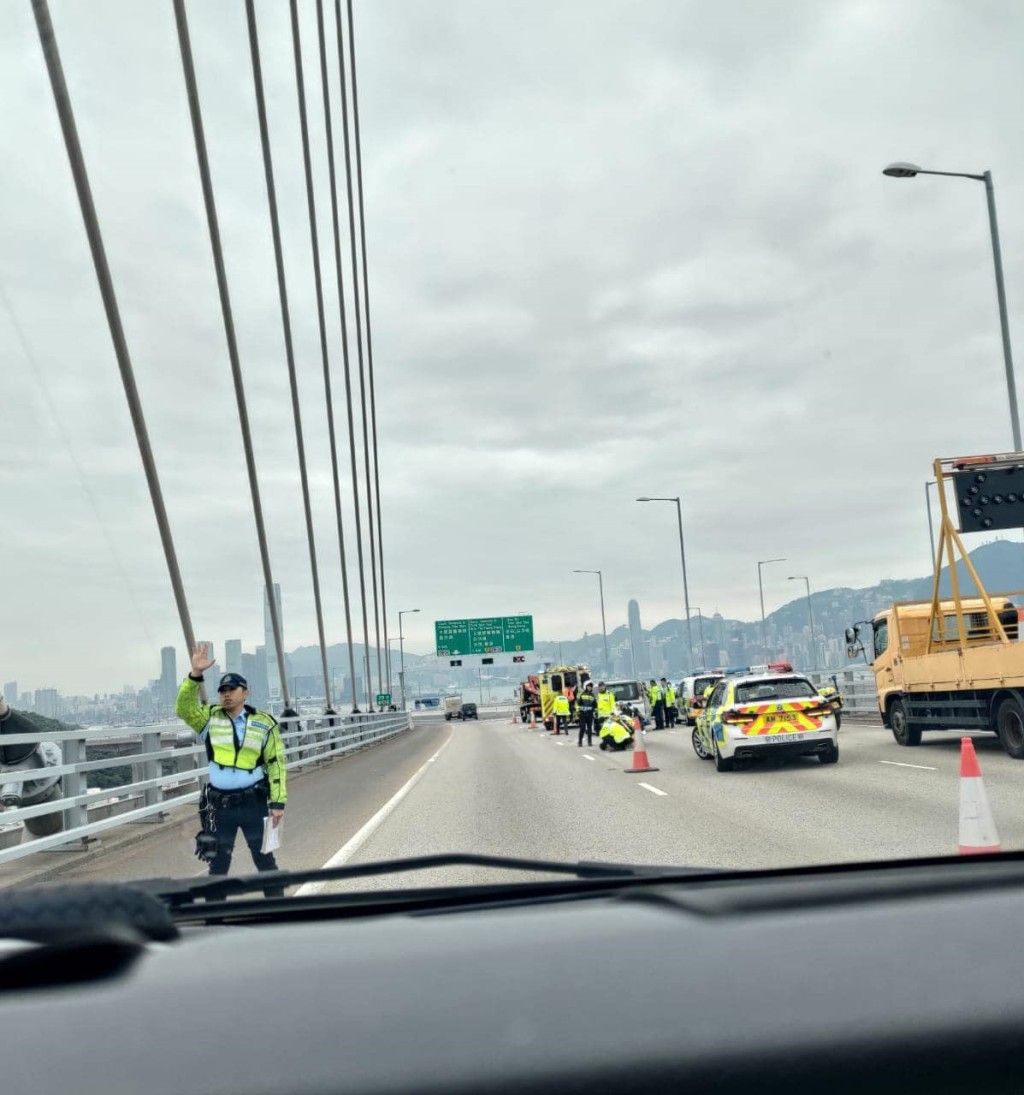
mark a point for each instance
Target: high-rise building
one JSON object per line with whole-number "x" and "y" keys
{"x": 258, "y": 681}
{"x": 273, "y": 670}
{"x": 233, "y": 656}
{"x": 11, "y": 693}
{"x": 212, "y": 674}
{"x": 641, "y": 653}
{"x": 168, "y": 686}
{"x": 48, "y": 702}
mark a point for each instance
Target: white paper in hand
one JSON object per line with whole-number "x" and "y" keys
{"x": 271, "y": 834}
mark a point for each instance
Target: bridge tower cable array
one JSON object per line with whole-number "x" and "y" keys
{"x": 359, "y": 339}
{"x": 268, "y": 169}
{"x": 213, "y": 224}
{"x": 369, "y": 338}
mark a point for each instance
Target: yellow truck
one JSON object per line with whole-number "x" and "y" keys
{"x": 567, "y": 679}
{"x": 956, "y": 663}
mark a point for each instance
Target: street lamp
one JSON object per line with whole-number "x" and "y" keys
{"x": 810, "y": 614}
{"x": 908, "y": 171}
{"x": 760, "y": 585}
{"x": 401, "y": 650}
{"x": 604, "y": 629}
{"x": 682, "y": 555}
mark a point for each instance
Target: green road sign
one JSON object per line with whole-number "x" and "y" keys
{"x": 484, "y": 635}
{"x": 383, "y": 699}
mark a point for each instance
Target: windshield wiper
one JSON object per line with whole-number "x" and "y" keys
{"x": 205, "y": 895}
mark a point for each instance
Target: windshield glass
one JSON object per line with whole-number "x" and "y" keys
{"x": 766, "y": 691}
{"x": 369, "y": 387}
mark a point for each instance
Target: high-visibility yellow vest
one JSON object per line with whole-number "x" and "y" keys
{"x": 561, "y": 704}
{"x": 605, "y": 703}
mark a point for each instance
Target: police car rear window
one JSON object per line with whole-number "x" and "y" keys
{"x": 766, "y": 691}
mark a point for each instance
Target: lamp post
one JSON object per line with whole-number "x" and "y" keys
{"x": 810, "y": 614}
{"x": 401, "y": 649}
{"x": 604, "y": 629}
{"x": 682, "y": 555}
{"x": 908, "y": 171}
{"x": 760, "y": 585}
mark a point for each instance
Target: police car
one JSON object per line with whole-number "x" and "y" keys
{"x": 766, "y": 713}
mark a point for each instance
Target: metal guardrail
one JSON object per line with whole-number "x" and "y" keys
{"x": 857, "y": 685}
{"x": 307, "y": 740}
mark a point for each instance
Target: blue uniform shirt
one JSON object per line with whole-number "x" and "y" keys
{"x": 234, "y": 779}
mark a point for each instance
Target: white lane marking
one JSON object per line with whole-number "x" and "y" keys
{"x": 559, "y": 743}
{"x": 900, "y": 764}
{"x": 653, "y": 790}
{"x": 585, "y": 757}
{"x": 351, "y": 846}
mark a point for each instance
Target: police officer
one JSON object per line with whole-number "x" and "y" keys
{"x": 246, "y": 764}
{"x": 586, "y": 708}
{"x": 561, "y": 713}
{"x": 616, "y": 732}
{"x": 670, "y": 703}
{"x": 605, "y": 705}
{"x": 657, "y": 700}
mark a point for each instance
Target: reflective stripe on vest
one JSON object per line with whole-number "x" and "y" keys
{"x": 605, "y": 703}
{"x": 223, "y": 747}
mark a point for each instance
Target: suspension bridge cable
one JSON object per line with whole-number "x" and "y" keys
{"x": 268, "y": 169}
{"x": 359, "y": 336}
{"x": 62, "y": 99}
{"x": 300, "y": 83}
{"x": 369, "y": 340}
{"x": 198, "y": 133}
{"x": 344, "y": 348}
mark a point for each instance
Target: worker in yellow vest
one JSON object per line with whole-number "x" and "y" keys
{"x": 670, "y": 704}
{"x": 561, "y": 710}
{"x": 605, "y": 705}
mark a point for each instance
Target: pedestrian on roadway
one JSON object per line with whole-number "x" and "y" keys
{"x": 605, "y": 705}
{"x": 670, "y": 702}
{"x": 656, "y": 698}
{"x": 247, "y": 780}
{"x": 586, "y": 708}
{"x": 561, "y": 713}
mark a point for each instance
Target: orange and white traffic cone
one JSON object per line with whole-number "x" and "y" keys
{"x": 533, "y": 719}
{"x": 977, "y": 826}
{"x": 514, "y": 718}
{"x": 640, "y": 761}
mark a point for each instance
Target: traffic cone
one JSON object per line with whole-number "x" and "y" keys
{"x": 514, "y": 718}
{"x": 640, "y": 761}
{"x": 977, "y": 827}
{"x": 533, "y": 719}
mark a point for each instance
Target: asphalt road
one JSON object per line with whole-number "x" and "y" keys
{"x": 498, "y": 788}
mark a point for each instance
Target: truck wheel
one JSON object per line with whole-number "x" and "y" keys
{"x": 1010, "y": 727}
{"x": 902, "y": 731}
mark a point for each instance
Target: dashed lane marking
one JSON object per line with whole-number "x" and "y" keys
{"x": 653, "y": 790}
{"x": 901, "y": 764}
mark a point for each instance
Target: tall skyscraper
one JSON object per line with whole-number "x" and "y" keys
{"x": 11, "y": 693}
{"x": 233, "y": 656}
{"x": 641, "y": 653}
{"x": 48, "y": 702}
{"x": 258, "y": 680}
{"x": 273, "y": 671}
{"x": 168, "y": 674}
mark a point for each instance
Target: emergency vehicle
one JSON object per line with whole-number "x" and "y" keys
{"x": 537, "y": 693}
{"x": 690, "y": 695}
{"x": 767, "y": 713}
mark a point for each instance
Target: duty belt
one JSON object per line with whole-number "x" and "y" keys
{"x": 257, "y": 793}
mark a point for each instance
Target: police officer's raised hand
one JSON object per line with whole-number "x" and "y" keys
{"x": 201, "y": 661}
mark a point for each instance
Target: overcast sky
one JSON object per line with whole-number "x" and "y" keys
{"x": 615, "y": 248}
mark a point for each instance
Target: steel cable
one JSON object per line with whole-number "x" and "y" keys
{"x": 203, "y": 159}
{"x": 268, "y": 168}
{"x": 322, "y": 323}
{"x": 62, "y": 100}
{"x": 369, "y": 340}
{"x": 359, "y": 336}
{"x": 328, "y": 127}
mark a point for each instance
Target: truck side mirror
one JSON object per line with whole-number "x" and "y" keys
{"x": 851, "y": 636}
{"x": 852, "y": 651}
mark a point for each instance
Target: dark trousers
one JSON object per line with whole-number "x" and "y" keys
{"x": 586, "y": 726}
{"x": 561, "y": 724}
{"x": 670, "y": 714}
{"x": 659, "y": 715}
{"x": 243, "y": 810}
